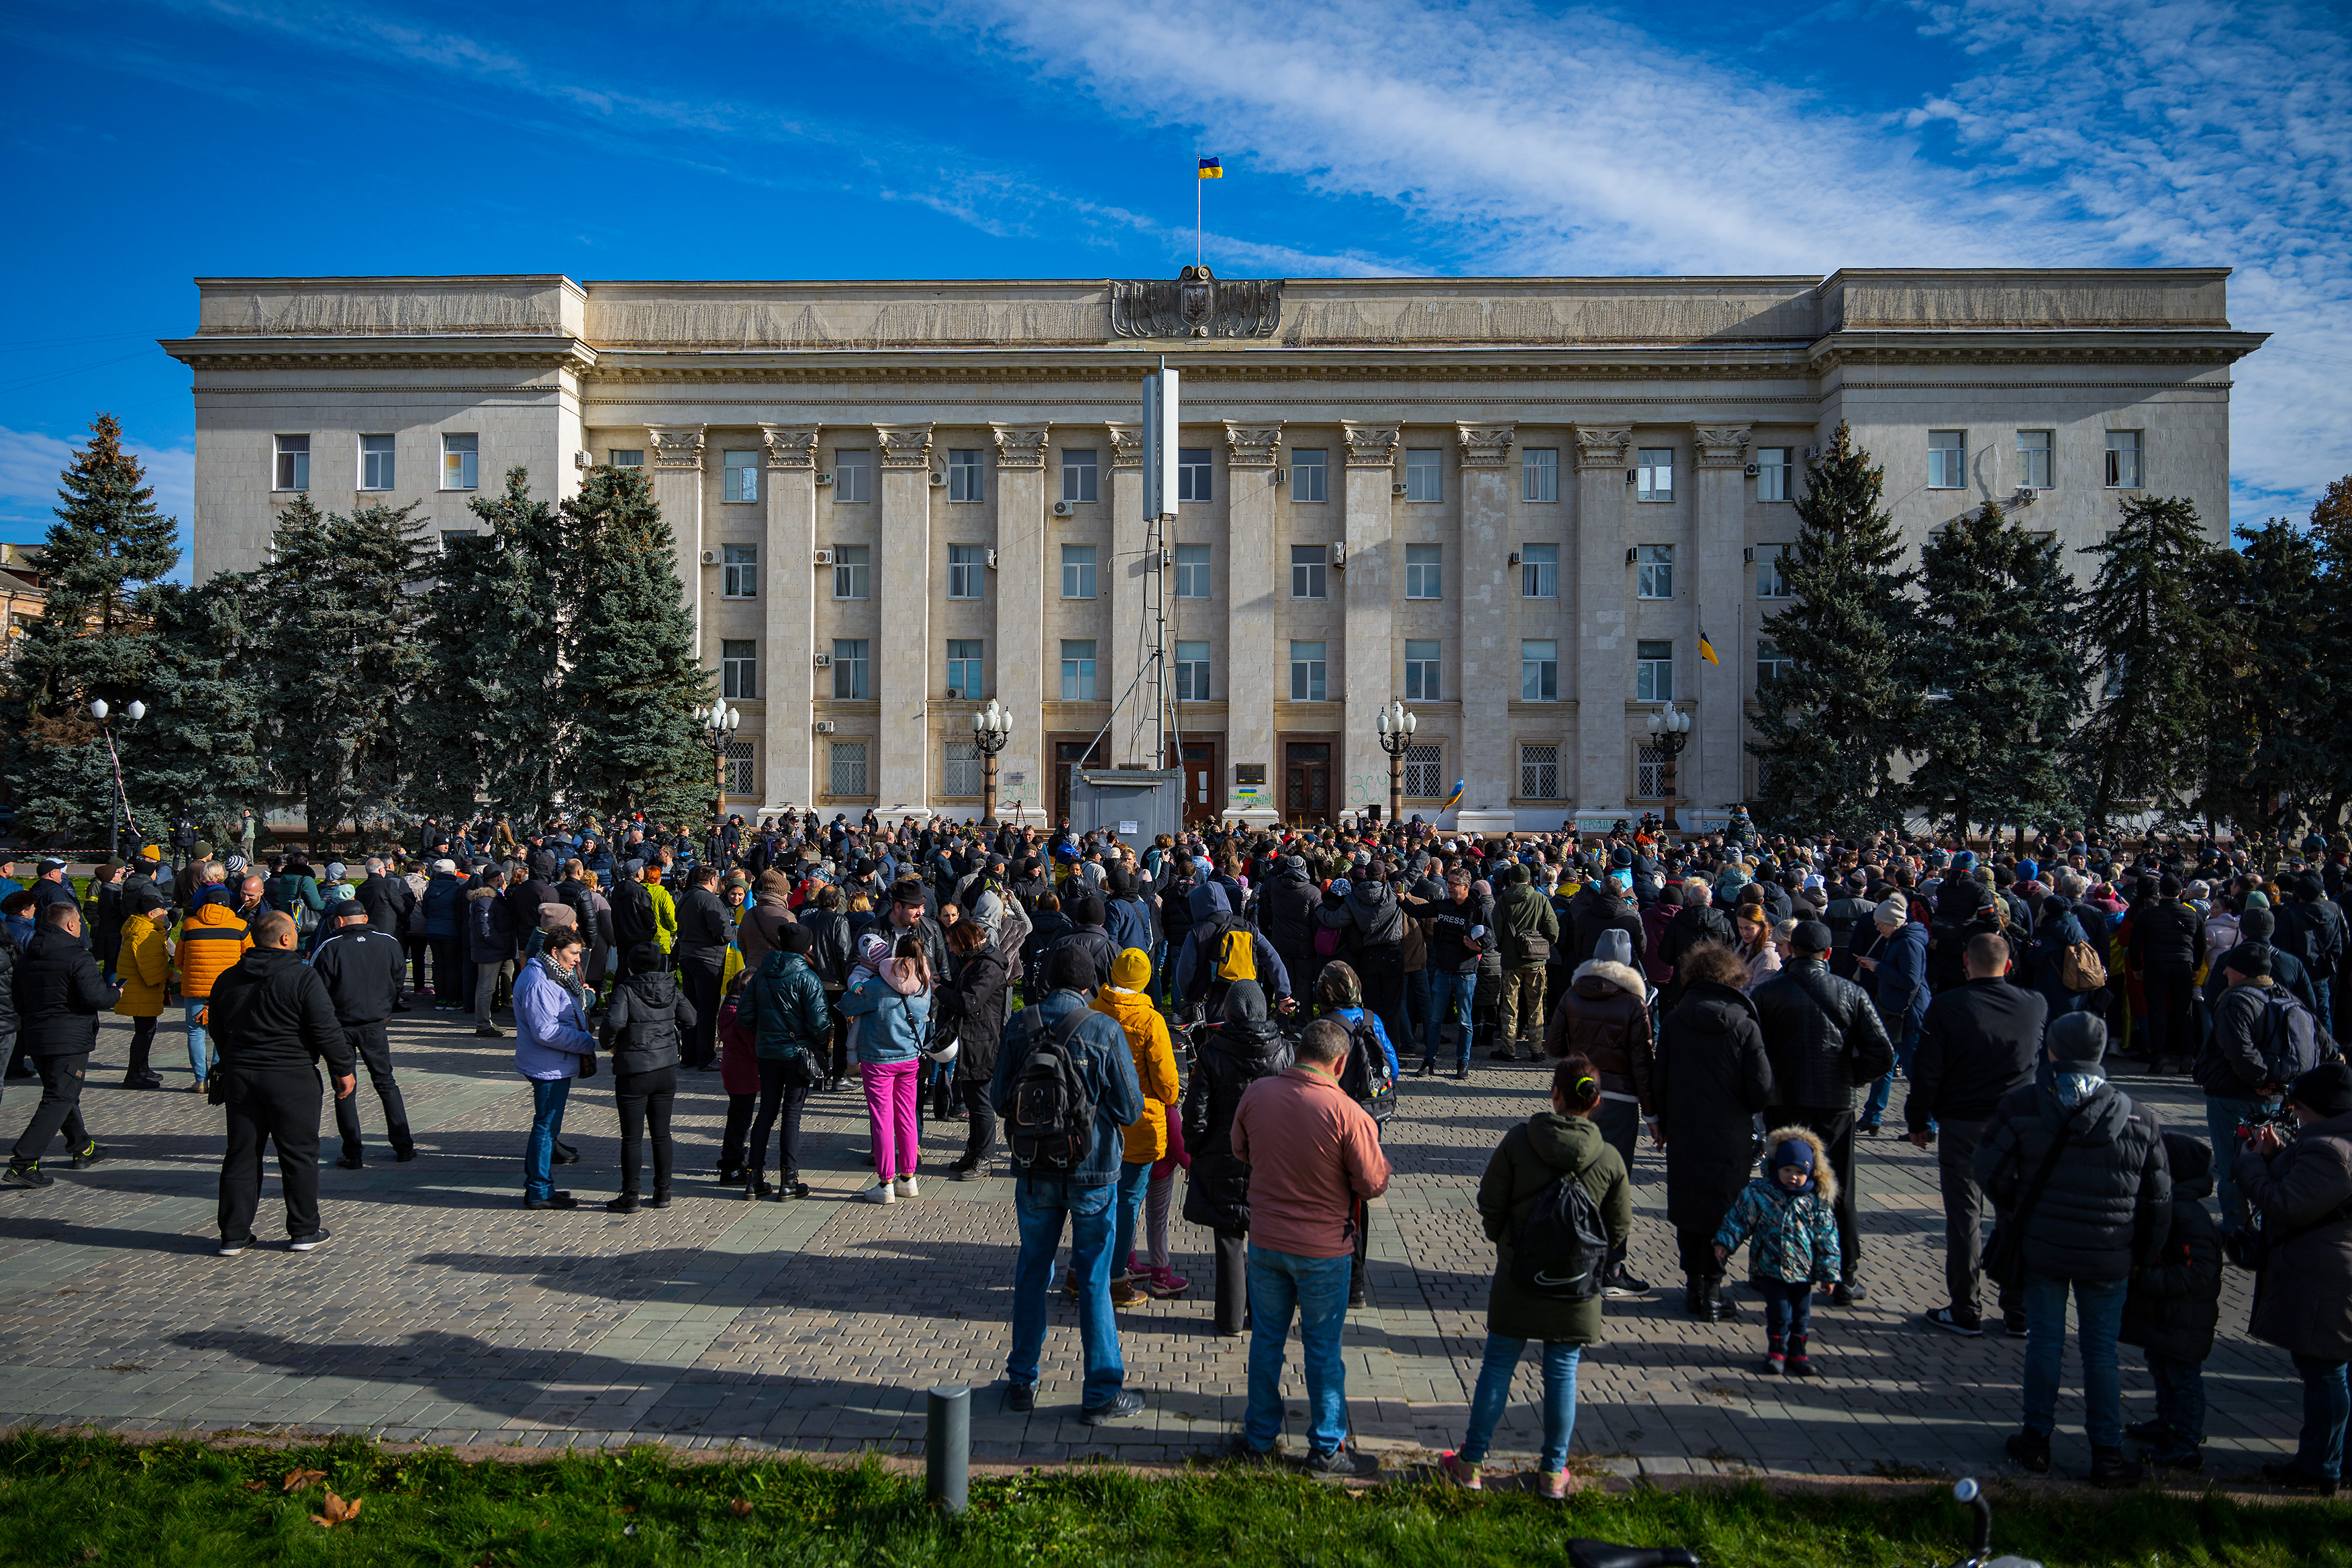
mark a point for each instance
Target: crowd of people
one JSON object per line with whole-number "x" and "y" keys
{"x": 1232, "y": 1011}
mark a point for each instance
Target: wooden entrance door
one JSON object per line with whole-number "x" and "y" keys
{"x": 1068, "y": 755}
{"x": 1199, "y": 762}
{"x": 1306, "y": 791}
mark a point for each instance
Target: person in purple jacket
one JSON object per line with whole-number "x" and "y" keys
{"x": 553, "y": 1047}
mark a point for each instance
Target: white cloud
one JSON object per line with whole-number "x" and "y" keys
{"x": 30, "y": 462}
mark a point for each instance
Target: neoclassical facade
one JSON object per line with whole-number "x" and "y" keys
{"x": 1515, "y": 503}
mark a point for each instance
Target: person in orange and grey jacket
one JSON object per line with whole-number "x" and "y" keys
{"x": 1604, "y": 1016}
{"x": 211, "y": 942}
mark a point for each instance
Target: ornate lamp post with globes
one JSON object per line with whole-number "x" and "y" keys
{"x": 991, "y": 727}
{"x": 718, "y": 723}
{"x": 1396, "y": 724}
{"x": 1670, "y": 728}
{"x": 120, "y": 804}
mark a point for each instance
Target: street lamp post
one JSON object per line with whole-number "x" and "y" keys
{"x": 120, "y": 805}
{"x": 1670, "y": 727}
{"x": 991, "y": 727}
{"x": 1396, "y": 724}
{"x": 718, "y": 723}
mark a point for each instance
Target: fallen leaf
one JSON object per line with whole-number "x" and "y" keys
{"x": 337, "y": 1512}
{"x": 257, "y": 1486}
{"x": 297, "y": 1479}
{"x": 628, "y": 1508}
{"x": 739, "y": 1507}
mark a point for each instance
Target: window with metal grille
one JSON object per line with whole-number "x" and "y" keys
{"x": 293, "y": 463}
{"x": 964, "y": 474}
{"x": 847, "y": 771}
{"x": 1421, "y": 660}
{"x": 1423, "y": 475}
{"x": 1655, "y": 578}
{"x": 1311, "y": 472}
{"x": 1192, "y": 465}
{"x": 1649, "y": 772}
{"x": 1192, "y": 671}
{"x": 1539, "y": 473}
{"x": 853, "y": 476}
{"x": 1307, "y": 579}
{"x": 1539, "y": 773}
{"x": 739, "y": 670}
{"x": 1424, "y": 772}
{"x": 1539, "y": 571}
{"x": 962, "y": 773}
{"x": 1079, "y": 475}
{"x": 965, "y": 667}
{"x": 1191, "y": 571}
{"x": 1425, "y": 571}
{"x": 742, "y": 768}
{"x": 965, "y": 564}
{"x": 738, "y": 571}
{"x": 849, "y": 669}
{"x": 852, "y": 565}
{"x": 742, "y": 471}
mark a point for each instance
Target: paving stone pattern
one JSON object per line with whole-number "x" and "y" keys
{"x": 443, "y": 1312}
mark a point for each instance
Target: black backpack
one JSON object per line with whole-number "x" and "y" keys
{"x": 1562, "y": 1247}
{"x": 1365, "y": 1073}
{"x": 2292, "y": 1043}
{"x": 1053, "y": 1118}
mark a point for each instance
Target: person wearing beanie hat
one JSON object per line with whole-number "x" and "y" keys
{"x": 1788, "y": 1219}
{"x": 1126, "y": 1000}
{"x": 2078, "y": 1173}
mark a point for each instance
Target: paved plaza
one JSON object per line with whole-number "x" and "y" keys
{"x": 442, "y": 1312}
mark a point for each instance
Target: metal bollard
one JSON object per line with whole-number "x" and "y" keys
{"x": 947, "y": 1448}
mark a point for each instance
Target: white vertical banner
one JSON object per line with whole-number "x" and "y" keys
{"x": 1160, "y": 419}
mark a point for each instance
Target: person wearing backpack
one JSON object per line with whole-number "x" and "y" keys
{"x": 1529, "y": 931}
{"x": 1555, "y": 1202}
{"x": 1065, "y": 1088}
{"x": 1789, "y": 1217}
{"x": 1222, "y": 949}
{"x": 1244, "y": 1047}
{"x": 1369, "y": 1074}
{"x": 2263, "y": 1038}
{"x": 1126, "y": 1000}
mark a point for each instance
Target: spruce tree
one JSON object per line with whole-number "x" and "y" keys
{"x": 1996, "y": 656}
{"x": 197, "y": 750}
{"x": 2331, "y": 528}
{"x": 2150, "y": 632}
{"x": 103, "y": 559}
{"x": 2271, "y": 751}
{"x": 634, "y": 676}
{"x": 1830, "y": 727}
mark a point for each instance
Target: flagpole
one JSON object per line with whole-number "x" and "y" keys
{"x": 1197, "y": 183}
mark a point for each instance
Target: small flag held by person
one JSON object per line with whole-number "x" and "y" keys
{"x": 1706, "y": 650}
{"x": 1456, "y": 798}
{"x": 1212, "y": 170}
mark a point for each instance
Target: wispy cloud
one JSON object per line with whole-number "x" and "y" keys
{"x": 31, "y": 460}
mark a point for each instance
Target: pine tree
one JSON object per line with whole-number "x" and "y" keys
{"x": 2272, "y": 753}
{"x": 634, "y": 676}
{"x": 102, "y": 558}
{"x": 2331, "y": 528}
{"x": 196, "y": 752}
{"x": 1996, "y": 655}
{"x": 1831, "y": 727}
{"x": 2147, "y": 625}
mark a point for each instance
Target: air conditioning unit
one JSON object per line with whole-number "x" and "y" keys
{"x": 2026, "y": 496}
{"x": 1281, "y": 476}
{"x": 583, "y": 460}
{"x": 1750, "y": 470}
{"x": 825, "y": 477}
{"x": 992, "y": 558}
{"x": 938, "y": 480}
{"x": 825, "y": 661}
{"x": 1064, "y": 509}
{"x": 1340, "y": 555}
{"x": 1813, "y": 452}
{"x": 711, "y": 558}
{"x": 825, "y": 557}
{"x": 823, "y": 726}
{"x": 1399, "y": 489}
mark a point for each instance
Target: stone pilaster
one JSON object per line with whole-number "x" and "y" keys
{"x": 675, "y": 451}
{"x": 1710, "y": 774}
{"x": 1022, "y": 569}
{"x": 1604, "y": 590}
{"x": 1255, "y": 667}
{"x": 1490, "y": 651}
{"x": 1119, "y": 571}
{"x": 788, "y": 644}
{"x": 904, "y": 660}
{"x": 1369, "y": 586}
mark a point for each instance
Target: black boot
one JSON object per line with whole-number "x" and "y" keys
{"x": 1720, "y": 1309}
{"x": 2109, "y": 1469}
{"x": 1695, "y": 1298}
{"x": 2030, "y": 1449}
{"x": 1801, "y": 1364}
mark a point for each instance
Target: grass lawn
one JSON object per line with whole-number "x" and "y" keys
{"x": 74, "y": 1499}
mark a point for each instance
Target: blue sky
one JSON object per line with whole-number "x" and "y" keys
{"x": 150, "y": 143}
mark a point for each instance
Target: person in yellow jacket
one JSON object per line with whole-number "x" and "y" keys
{"x": 1125, "y": 999}
{"x": 665, "y": 908}
{"x": 211, "y": 942}
{"x": 144, "y": 966}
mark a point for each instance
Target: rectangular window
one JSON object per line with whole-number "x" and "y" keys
{"x": 963, "y": 668}
{"x": 1310, "y": 473}
{"x": 1653, "y": 672}
{"x": 847, "y": 771}
{"x": 963, "y": 774}
{"x": 1078, "y": 671}
{"x": 376, "y": 462}
{"x": 1307, "y": 568}
{"x": 1078, "y": 571}
{"x": 1192, "y": 671}
{"x": 1539, "y": 670}
{"x": 1649, "y": 772}
{"x": 1421, "y": 682}
{"x": 293, "y": 463}
{"x": 627, "y": 457}
{"x": 1539, "y": 571}
{"x": 1775, "y": 469}
{"x": 739, "y": 670}
{"x": 1078, "y": 476}
{"x": 1655, "y": 571}
{"x": 1769, "y": 582}
{"x": 1425, "y": 571}
{"x": 2037, "y": 451}
{"x": 1193, "y": 473}
{"x": 965, "y": 564}
{"x": 1539, "y": 772}
{"x": 1191, "y": 571}
{"x": 1948, "y": 458}
{"x": 742, "y": 768}
{"x": 741, "y": 480}
{"x": 739, "y": 571}
{"x": 458, "y": 457}
{"x": 853, "y": 476}
{"x": 1307, "y": 672}
{"x": 1653, "y": 474}
{"x": 964, "y": 476}
{"x": 1423, "y": 479}
{"x": 853, "y": 566}
{"x": 1770, "y": 665}
{"x": 1424, "y": 772}
{"x": 2123, "y": 459}
{"x": 849, "y": 670}
{"x": 1539, "y": 473}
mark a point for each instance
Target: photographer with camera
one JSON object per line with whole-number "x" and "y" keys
{"x": 2302, "y": 1256}
{"x": 2262, "y": 1037}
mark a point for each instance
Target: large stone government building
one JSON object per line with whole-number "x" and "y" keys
{"x": 1514, "y": 502}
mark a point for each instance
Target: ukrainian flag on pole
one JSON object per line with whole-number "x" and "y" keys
{"x": 1212, "y": 170}
{"x": 1456, "y": 798}
{"x": 1707, "y": 648}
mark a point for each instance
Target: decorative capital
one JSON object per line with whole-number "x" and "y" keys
{"x": 1126, "y": 445}
{"x": 1722, "y": 445}
{"x": 1485, "y": 446}
{"x": 1370, "y": 445}
{"x": 1602, "y": 446}
{"x": 1252, "y": 446}
{"x": 790, "y": 447}
{"x": 904, "y": 445}
{"x": 676, "y": 446}
{"x": 1020, "y": 448}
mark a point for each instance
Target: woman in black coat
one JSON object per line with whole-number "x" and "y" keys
{"x": 973, "y": 1004}
{"x": 1710, "y": 1082}
{"x": 1243, "y": 1048}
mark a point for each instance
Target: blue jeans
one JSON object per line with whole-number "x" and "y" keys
{"x": 1134, "y": 1180}
{"x": 1448, "y": 991}
{"x": 1873, "y": 1111}
{"x": 547, "y": 1095}
{"x": 201, "y": 1054}
{"x": 1788, "y": 1310}
{"x": 1039, "y": 1207}
{"x": 2099, "y": 1314}
{"x": 1317, "y": 1289}
{"x": 2222, "y": 1119}
{"x": 1494, "y": 1393}
{"x": 2179, "y": 1401}
{"x": 2327, "y": 1403}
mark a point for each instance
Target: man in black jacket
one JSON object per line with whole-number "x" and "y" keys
{"x": 2168, "y": 943}
{"x": 1823, "y": 1037}
{"x": 633, "y": 915}
{"x": 1286, "y": 912}
{"x": 1700, "y": 921}
{"x": 362, "y": 967}
{"x": 1978, "y": 1045}
{"x": 703, "y": 934}
{"x": 274, "y": 1022}
{"x": 2312, "y": 929}
{"x": 59, "y": 996}
{"x": 389, "y": 901}
{"x": 1602, "y": 905}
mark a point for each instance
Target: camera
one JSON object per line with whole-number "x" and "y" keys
{"x": 2272, "y": 1116}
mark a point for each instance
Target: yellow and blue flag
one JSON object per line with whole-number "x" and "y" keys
{"x": 1707, "y": 648}
{"x": 1212, "y": 170}
{"x": 1456, "y": 798}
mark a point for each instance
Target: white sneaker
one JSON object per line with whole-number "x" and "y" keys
{"x": 904, "y": 1187}
{"x": 878, "y": 1193}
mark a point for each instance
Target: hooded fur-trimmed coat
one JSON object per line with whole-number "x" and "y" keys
{"x": 1793, "y": 1236}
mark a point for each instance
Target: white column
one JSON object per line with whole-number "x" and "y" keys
{"x": 788, "y": 646}
{"x": 1603, "y": 597}
{"x": 1255, "y": 667}
{"x": 1490, "y": 654}
{"x": 1710, "y": 774}
{"x": 676, "y": 451}
{"x": 904, "y": 657}
{"x": 1020, "y": 651}
{"x": 1120, "y": 575}
{"x": 1369, "y": 585}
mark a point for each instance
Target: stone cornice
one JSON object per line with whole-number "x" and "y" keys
{"x": 1601, "y": 446}
{"x": 904, "y": 445}
{"x": 291, "y": 352}
{"x": 790, "y": 446}
{"x": 1722, "y": 445}
{"x": 1252, "y": 446}
{"x": 1484, "y": 446}
{"x": 1369, "y": 446}
{"x": 676, "y": 446}
{"x": 1019, "y": 447}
